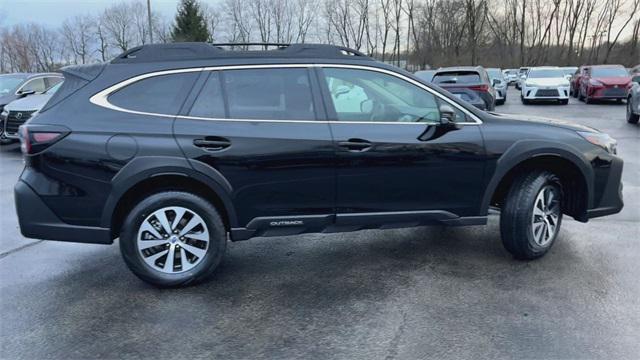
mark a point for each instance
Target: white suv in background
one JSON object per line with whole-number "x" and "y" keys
{"x": 545, "y": 83}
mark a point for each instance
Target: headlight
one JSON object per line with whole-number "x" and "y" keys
{"x": 3, "y": 114}
{"x": 529, "y": 84}
{"x": 601, "y": 139}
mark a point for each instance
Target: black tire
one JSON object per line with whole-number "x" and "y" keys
{"x": 564, "y": 102}
{"x": 516, "y": 224}
{"x": 211, "y": 258}
{"x": 631, "y": 117}
{"x": 500, "y": 102}
{"x": 524, "y": 101}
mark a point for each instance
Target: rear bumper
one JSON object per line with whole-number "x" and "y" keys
{"x": 611, "y": 201}
{"x": 37, "y": 221}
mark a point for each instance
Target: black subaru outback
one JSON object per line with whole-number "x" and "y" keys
{"x": 175, "y": 149}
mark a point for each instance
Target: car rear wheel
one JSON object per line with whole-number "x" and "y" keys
{"x": 173, "y": 239}
{"x": 631, "y": 117}
{"x": 531, "y": 216}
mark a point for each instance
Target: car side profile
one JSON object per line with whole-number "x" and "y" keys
{"x": 633, "y": 100}
{"x": 175, "y": 149}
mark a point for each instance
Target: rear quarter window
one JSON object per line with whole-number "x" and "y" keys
{"x": 162, "y": 94}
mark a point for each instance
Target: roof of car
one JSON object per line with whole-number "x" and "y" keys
{"x": 458, "y": 68}
{"x": 605, "y": 66}
{"x": 205, "y": 51}
{"x": 31, "y": 75}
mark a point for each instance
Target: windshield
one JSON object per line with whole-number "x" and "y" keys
{"x": 52, "y": 90}
{"x": 457, "y": 77}
{"x": 545, "y": 73}
{"x": 9, "y": 83}
{"x": 608, "y": 72}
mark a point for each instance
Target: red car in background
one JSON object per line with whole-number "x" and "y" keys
{"x": 604, "y": 82}
{"x": 574, "y": 82}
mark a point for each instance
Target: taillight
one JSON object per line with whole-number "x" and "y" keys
{"x": 481, "y": 88}
{"x": 34, "y": 141}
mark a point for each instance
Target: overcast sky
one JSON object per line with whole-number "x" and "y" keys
{"x": 53, "y": 12}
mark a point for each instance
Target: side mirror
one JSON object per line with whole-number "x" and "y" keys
{"x": 636, "y": 79}
{"x": 26, "y": 93}
{"x": 495, "y": 82}
{"x": 447, "y": 115}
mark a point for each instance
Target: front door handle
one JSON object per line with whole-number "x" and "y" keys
{"x": 212, "y": 143}
{"x": 355, "y": 145}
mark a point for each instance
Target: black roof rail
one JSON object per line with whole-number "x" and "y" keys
{"x": 205, "y": 51}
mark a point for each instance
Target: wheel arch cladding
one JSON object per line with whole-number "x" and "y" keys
{"x": 575, "y": 174}
{"x": 147, "y": 175}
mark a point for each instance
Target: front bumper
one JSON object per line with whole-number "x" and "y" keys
{"x": 607, "y": 92}
{"x": 545, "y": 92}
{"x": 611, "y": 201}
{"x": 37, "y": 221}
{"x": 501, "y": 94}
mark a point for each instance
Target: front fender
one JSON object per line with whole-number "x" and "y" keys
{"x": 523, "y": 150}
{"x": 142, "y": 168}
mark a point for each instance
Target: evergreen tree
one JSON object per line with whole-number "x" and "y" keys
{"x": 190, "y": 24}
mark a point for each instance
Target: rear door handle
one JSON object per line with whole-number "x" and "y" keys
{"x": 212, "y": 143}
{"x": 355, "y": 145}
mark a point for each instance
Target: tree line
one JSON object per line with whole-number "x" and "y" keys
{"x": 411, "y": 33}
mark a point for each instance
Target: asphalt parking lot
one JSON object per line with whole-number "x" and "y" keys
{"x": 391, "y": 294}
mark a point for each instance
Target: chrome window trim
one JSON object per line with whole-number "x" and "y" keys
{"x": 36, "y": 78}
{"x": 101, "y": 97}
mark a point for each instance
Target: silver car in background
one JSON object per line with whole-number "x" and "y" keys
{"x": 499, "y": 83}
{"x": 19, "y": 111}
{"x": 633, "y": 100}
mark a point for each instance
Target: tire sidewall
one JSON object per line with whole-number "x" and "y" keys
{"x": 543, "y": 180}
{"x": 129, "y": 233}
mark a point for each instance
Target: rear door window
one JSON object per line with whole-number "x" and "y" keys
{"x": 210, "y": 101}
{"x": 162, "y": 94}
{"x": 270, "y": 94}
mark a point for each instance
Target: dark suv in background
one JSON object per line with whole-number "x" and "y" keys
{"x": 466, "y": 79}
{"x": 174, "y": 149}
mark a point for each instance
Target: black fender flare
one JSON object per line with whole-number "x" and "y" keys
{"x": 523, "y": 150}
{"x": 145, "y": 167}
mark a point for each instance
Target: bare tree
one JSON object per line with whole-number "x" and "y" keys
{"x": 78, "y": 37}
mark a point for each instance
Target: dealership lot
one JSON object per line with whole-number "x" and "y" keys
{"x": 406, "y": 294}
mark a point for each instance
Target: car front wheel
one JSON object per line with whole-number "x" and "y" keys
{"x": 531, "y": 216}
{"x": 173, "y": 239}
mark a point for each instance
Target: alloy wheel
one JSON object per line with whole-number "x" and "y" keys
{"x": 546, "y": 215}
{"x": 173, "y": 239}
